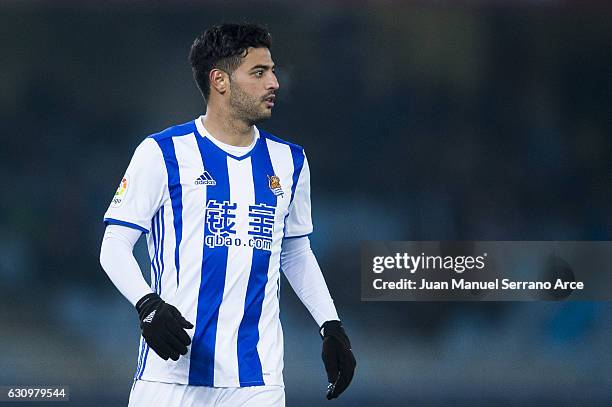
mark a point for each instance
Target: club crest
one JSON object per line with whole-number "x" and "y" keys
{"x": 275, "y": 185}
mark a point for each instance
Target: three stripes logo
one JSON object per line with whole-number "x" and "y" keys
{"x": 149, "y": 317}
{"x": 205, "y": 179}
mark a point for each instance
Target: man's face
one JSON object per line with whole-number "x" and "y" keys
{"x": 252, "y": 86}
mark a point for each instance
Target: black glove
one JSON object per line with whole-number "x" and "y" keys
{"x": 163, "y": 327}
{"x": 337, "y": 357}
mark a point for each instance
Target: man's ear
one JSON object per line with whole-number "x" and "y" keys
{"x": 219, "y": 80}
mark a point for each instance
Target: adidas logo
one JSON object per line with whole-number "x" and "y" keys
{"x": 205, "y": 179}
{"x": 149, "y": 317}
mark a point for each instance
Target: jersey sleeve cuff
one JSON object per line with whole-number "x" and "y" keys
{"x": 296, "y": 236}
{"x": 111, "y": 221}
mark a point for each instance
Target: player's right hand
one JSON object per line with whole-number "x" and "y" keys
{"x": 163, "y": 327}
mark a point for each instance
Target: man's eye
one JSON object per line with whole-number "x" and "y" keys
{"x": 258, "y": 73}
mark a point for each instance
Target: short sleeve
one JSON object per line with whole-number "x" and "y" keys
{"x": 141, "y": 190}
{"x": 299, "y": 220}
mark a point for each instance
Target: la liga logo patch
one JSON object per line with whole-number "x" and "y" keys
{"x": 121, "y": 191}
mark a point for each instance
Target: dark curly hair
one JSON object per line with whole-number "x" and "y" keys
{"x": 223, "y": 47}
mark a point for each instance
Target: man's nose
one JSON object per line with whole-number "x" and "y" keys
{"x": 273, "y": 82}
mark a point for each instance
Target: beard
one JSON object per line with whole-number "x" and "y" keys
{"x": 247, "y": 107}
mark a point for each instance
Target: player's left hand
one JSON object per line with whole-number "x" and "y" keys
{"x": 337, "y": 357}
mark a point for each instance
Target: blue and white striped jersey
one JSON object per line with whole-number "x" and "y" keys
{"x": 215, "y": 224}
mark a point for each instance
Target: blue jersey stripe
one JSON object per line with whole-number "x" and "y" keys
{"x": 214, "y": 263}
{"x": 161, "y": 247}
{"x": 159, "y": 268}
{"x": 140, "y": 355}
{"x": 111, "y": 221}
{"x": 297, "y": 155}
{"x": 144, "y": 361}
{"x": 154, "y": 285}
{"x": 295, "y": 237}
{"x": 249, "y": 363}
{"x": 154, "y": 234}
{"x": 176, "y": 194}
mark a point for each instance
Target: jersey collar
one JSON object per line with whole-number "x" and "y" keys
{"x": 238, "y": 153}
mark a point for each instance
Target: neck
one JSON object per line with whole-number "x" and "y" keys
{"x": 227, "y": 128}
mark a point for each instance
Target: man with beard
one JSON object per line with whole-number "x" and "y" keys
{"x": 225, "y": 206}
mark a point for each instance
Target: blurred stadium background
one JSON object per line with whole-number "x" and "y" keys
{"x": 422, "y": 120}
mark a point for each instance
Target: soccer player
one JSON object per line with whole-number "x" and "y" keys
{"x": 225, "y": 206}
